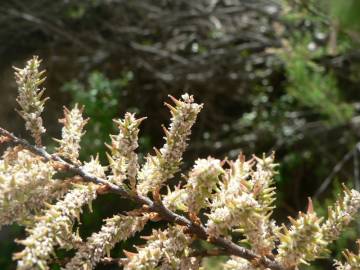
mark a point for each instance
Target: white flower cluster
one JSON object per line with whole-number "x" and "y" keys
{"x": 72, "y": 132}
{"x": 28, "y": 80}
{"x": 123, "y": 159}
{"x": 166, "y": 248}
{"x": 116, "y": 229}
{"x": 54, "y": 228}
{"x": 161, "y": 167}
{"x": 244, "y": 202}
{"x": 308, "y": 236}
{"x": 26, "y": 184}
{"x": 341, "y": 214}
{"x": 302, "y": 242}
{"x": 175, "y": 200}
{"x": 94, "y": 167}
{"x": 201, "y": 182}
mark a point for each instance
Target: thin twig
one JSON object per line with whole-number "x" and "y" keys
{"x": 336, "y": 169}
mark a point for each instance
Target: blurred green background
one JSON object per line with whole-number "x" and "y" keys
{"x": 274, "y": 75}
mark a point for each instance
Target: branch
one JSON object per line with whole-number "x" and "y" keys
{"x": 153, "y": 206}
{"x": 335, "y": 170}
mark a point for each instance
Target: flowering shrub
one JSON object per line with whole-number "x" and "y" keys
{"x": 216, "y": 199}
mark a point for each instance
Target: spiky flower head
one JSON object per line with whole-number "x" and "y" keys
{"x": 231, "y": 214}
{"x": 123, "y": 159}
{"x": 72, "y": 131}
{"x": 26, "y": 184}
{"x": 303, "y": 241}
{"x": 175, "y": 200}
{"x": 262, "y": 180}
{"x": 116, "y": 229}
{"x": 341, "y": 214}
{"x": 166, "y": 247}
{"x": 162, "y": 166}
{"x": 94, "y": 167}
{"x": 54, "y": 228}
{"x": 201, "y": 182}
{"x": 244, "y": 202}
{"x": 29, "y": 80}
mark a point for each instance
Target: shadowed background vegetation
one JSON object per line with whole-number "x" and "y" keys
{"x": 277, "y": 76}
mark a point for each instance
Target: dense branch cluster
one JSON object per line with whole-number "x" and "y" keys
{"x": 215, "y": 199}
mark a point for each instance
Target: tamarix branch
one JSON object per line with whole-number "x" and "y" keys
{"x": 216, "y": 198}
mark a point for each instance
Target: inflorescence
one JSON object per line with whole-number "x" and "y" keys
{"x": 214, "y": 200}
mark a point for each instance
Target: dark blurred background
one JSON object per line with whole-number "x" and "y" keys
{"x": 273, "y": 75}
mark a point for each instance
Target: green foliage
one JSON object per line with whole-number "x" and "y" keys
{"x": 327, "y": 30}
{"x": 346, "y": 13}
{"x": 312, "y": 85}
{"x": 214, "y": 263}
